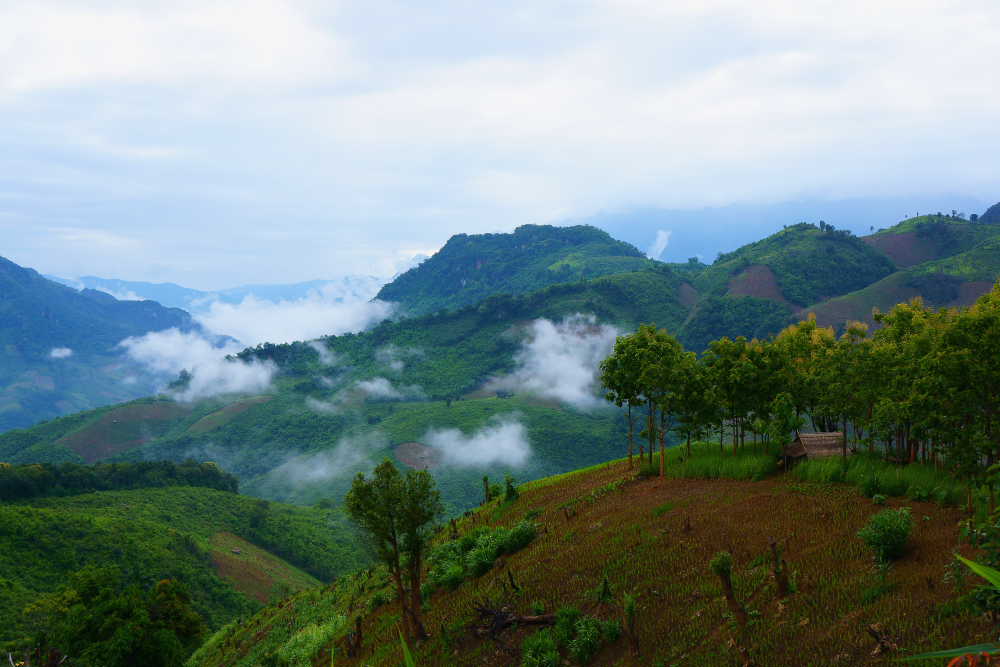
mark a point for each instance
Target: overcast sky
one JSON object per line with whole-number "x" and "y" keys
{"x": 217, "y": 143}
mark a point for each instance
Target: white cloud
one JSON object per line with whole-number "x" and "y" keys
{"x": 380, "y": 128}
{"x": 560, "y": 360}
{"x": 659, "y": 244}
{"x": 503, "y": 440}
{"x": 60, "y": 353}
{"x": 350, "y": 454}
{"x": 255, "y": 321}
{"x": 169, "y": 352}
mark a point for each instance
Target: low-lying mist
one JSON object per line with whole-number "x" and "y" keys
{"x": 560, "y": 361}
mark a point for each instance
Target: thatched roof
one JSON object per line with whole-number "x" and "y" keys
{"x": 816, "y": 445}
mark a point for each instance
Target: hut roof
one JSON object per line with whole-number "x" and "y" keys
{"x": 816, "y": 445}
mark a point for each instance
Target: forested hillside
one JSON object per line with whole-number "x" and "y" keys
{"x": 229, "y": 552}
{"x": 58, "y": 346}
{"x": 470, "y": 268}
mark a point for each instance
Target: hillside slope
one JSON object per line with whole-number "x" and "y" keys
{"x": 470, "y": 268}
{"x": 232, "y": 552}
{"x": 966, "y": 265}
{"x": 434, "y": 374}
{"x": 652, "y": 539}
{"x": 58, "y": 346}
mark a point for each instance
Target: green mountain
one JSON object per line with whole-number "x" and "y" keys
{"x": 318, "y": 426}
{"x": 944, "y": 260}
{"x": 230, "y": 551}
{"x": 58, "y": 346}
{"x": 759, "y": 288}
{"x": 470, "y": 268}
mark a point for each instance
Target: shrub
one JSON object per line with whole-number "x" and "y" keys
{"x": 539, "y": 650}
{"x": 587, "y": 640}
{"x": 300, "y": 649}
{"x": 565, "y": 627}
{"x": 887, "y": 533}
{"x": 879, "y": 499}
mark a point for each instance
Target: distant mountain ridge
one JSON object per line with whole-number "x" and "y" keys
{"x": 350, "y": 287}
{"x": 58, "y": 346}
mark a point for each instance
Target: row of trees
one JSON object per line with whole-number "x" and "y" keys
{"x": 20, "y": 482}
{"x": 925, "y": 385}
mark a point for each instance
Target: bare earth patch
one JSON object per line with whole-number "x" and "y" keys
{"x": 687, "y": 295}
{"x": 225, "y": 415}
{"x": 757, "y": 281}
{"x": 253, "y": 571}
{"x": 904, "y": 249}
{"x": 122, "y": 429}
{"x": 418, "y": 456}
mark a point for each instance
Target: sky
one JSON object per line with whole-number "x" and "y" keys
{"x": 216, "y": 143}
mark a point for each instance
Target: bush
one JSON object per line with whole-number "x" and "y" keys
{"x": 887, "y": 533}
{"x": 565, "y": 627}
{"x": 539, "y": 650}
{"x": 473, "y": 555}
{"x": 587, "y": 640}
{"x": 879, "y": 499}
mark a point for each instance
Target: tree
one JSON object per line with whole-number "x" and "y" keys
{"x": 397, "y": 513}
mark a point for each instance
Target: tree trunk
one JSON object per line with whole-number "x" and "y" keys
{"x": 420, "y": 633}
{"x": 631, "y": 428}
{"x": 397, "y": 578}
{"x": 780, "y": 571}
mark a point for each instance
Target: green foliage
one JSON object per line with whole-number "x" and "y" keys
{"x": 736, "y": 316}
{"x": 156, "y": 534}
{"x": 46, "y": 479}
{"x": 875, "y": 477}
{"x": 707, "y": 462}
{"x": 531, "y": 258}
{"x": 809, "y": 263}
{"x": 722, "y": 564}
{"x": 473, "y": 554}
{"x": 300, "y": 650}
{"x": 540, "y": 650}
{"x": 887, "y": 533}
{"x": 101, "y": 620}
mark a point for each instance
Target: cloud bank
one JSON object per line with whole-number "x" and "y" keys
{"x": 504, "y": 440}
{"x": 560, "y": 361}
{"x": 167, "y": 353}
{"x": 60, "y": 353}
{"x": 321, "y": 313}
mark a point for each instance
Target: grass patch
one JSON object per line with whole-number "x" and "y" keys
{"x": 707, "y": 462}
{"x": 874, "y": 477}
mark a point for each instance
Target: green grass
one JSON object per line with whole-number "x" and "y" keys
{"x": 707, "y": 462}
{"x": 874, "y": 476}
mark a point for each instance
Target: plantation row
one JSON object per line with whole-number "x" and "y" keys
{"x": 925, "y": 386}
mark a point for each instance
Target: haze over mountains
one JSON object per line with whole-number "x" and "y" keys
{"x": 487, "y": 360}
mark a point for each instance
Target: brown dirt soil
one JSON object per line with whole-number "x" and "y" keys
{"x": 655, "y": 538}
{"x": 254, "y": 571}
{"x": 757, "y": 281}
{"x": 905, "y": 249}
{"x": 418, "y": 456}
{"x": 224, "y": 415}
{"x": 687, "y": 295}
{"x": 122, "y": 429}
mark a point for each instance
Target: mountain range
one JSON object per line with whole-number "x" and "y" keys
{"x": 496, "y": 341}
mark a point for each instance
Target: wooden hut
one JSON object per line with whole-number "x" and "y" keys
{"x": 814, "y": 446}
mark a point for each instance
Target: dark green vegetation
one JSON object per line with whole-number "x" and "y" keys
{"x": 624, "y": 579}
{"x": 67, "y": 479}
{"x": 38, "y": 316}
{"x": 469, "y": 269}
{"x": 184, "y": 534}
{"x": 439, "y": 364}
